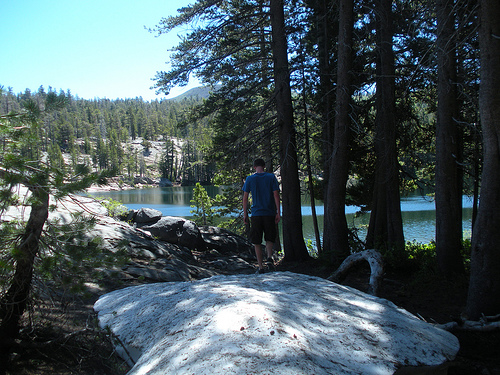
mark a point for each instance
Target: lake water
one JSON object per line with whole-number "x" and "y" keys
{"x": 419, "y": 219}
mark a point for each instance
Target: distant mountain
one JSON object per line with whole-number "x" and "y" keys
{"x": 201, "y": 92}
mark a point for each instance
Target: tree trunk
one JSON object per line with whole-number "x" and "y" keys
{"x": 448, "y": 149}
{"x": 293, "y": 238}
{"x": 484, "y": 287}
{"x": 325, "y": 25}
{"x": 385, "y": 230}
{"x": 336, "y": 232}
{"x": 310, "y": 183}
{"x": 13, "y": 304}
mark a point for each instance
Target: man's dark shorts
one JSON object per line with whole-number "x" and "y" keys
{"x": 262, "y": 225}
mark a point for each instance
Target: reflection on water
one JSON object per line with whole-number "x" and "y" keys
{"x": 417, "y": 225}
{"x": 419, "y": 219}
{"x": 171, "y": 201}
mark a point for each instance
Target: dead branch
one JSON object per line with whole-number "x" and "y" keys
{"x": 57, "y": 340}
{"x": 374, "y": 259}
{"x": 484, "y": 324}
{"x": 470, "y": 325}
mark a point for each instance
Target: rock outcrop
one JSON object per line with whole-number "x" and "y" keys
{"x": 178, "y": 231}
{"x": 224, "y": 241}
{"x": 167, "y": 248}
{"x": 160, "y": 248}
{"x": 146, "y": 215}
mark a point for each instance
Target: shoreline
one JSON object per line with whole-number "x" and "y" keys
{"x": 111, "y": 187}
{"x": 115, "y": 186}
{"x": 119, "y": 183}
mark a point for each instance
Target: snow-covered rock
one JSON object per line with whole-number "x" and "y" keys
{"x": 276, "y": 323}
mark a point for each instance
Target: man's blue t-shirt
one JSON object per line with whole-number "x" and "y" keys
{"x": 262, "y": 186}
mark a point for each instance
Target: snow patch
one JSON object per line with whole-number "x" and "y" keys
{"x": 276, "y": 323}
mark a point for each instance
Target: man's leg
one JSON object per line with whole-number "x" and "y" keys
{"x": 269, "y": 251}
{"x": 269, "y": 236}
{"x": 258, "y": 254}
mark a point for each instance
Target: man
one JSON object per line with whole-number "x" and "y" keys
{"x": 265, "y": 192}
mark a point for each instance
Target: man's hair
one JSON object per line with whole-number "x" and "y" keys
{"x": 259, "y": 163}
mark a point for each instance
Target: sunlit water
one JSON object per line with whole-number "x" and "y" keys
{"x": 419, "y": 219}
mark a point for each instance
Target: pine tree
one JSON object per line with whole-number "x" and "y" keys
{"x": 20, "y": 164}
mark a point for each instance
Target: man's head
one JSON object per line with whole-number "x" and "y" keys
{"x": 259, "y": 163}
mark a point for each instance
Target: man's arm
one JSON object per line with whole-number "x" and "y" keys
{"x": 245, "y": 207}
{"x": 276, "y": 194}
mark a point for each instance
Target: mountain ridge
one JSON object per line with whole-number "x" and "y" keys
{"x": 201, "y": 92}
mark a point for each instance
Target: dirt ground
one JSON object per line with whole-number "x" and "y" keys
{"x": 63, "y": 338}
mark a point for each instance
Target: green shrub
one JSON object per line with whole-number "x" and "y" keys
{"x": 421, "y": 256}
{"x": 203, "y": 212}
{"x": 115, "y": 208}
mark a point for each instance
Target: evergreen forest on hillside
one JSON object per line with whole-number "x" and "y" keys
{"x": 117, "y": 135}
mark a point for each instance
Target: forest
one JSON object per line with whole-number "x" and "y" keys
{"x": 100, "y": 133}
{"x": 354, "y": 102}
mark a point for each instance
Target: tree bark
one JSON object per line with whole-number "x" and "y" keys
{"x": 448, "y": 149}
{"x": 484, "y": 287}
{"x": 293, "y": 238}
{"x": 310, "y": 183}
{"x": 336, "y": 231}
{"x": 325, "y": 26}
{"x": 385, "y": 229}
{"x": 13, "y": 304}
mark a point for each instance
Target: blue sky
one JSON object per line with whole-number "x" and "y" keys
{"x": 95, "y": 48}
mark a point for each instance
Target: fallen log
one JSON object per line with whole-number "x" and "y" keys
{"x": 374, "y": 259}
{"x": 485, "y": 324}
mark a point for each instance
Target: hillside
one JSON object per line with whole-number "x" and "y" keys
{"x": 200, "y": 92}
{"x": 149, "y": 161}
{"x": 130, "y": 137}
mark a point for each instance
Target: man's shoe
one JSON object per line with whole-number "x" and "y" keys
{"x": 270, "y": 264}
{"x": 259, "y": 271}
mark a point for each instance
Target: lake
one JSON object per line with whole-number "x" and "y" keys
{"x": 419, "y": 219}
